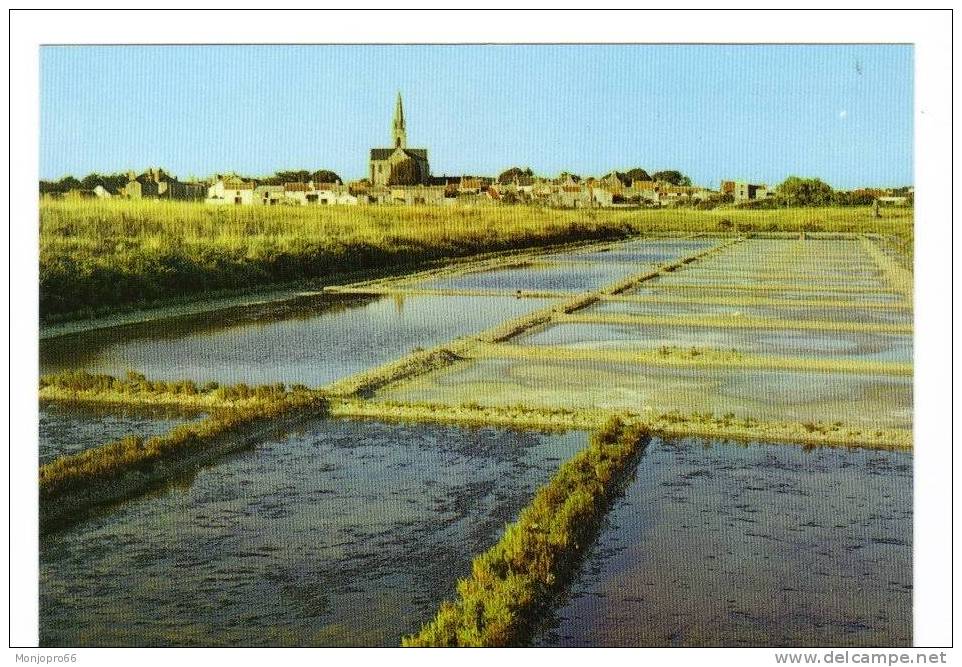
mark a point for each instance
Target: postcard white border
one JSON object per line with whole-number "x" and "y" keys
{"x": 928, "y": 31}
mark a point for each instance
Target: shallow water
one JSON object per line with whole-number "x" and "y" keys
{"x": 900, "y": 316}
{"x": 639, "y": 252}
{"x": 722, "y": 279}
{"x": 709, "y": 267}
{"x": 344, "y": 533}
{"x": 793, "y": 256}
{"x": 650, "y": 288}
{"x": 765, "y": 545}
{"x": 69, "y": 429}
{"x": 574, "y": 277}
{"x": 778, "y": 342}
{"x": 867, "y": 401}
{"x": 311, "y": 345}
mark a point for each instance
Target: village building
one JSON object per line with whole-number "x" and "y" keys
{"x": 399, "y": 165}
{"x": 305, "y": 194}
{"x": 269, "y": 195}
{"x": 418, "y": 195}
{"x": 742, "y": 191}
{"x": 332, "y": 194}
{"x": 157, "y": 184}
{"x": 153, "y": 183}
{"x": 602, "y": 197}
{"x": 612, "y": 184}
{"x": 299, "y": 193}
{"x": 646, "y": 192}
{"x": 470, "y": 186}
{"x": 231, "y": 189}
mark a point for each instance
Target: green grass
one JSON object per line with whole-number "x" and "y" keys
{"x": 510, "y": 584}
{"x": 101, "y": 256}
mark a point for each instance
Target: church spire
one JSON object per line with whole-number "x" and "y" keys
{"x": 398, "y": 131}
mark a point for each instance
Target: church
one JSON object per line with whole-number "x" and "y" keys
{"x": 399, "y": 165}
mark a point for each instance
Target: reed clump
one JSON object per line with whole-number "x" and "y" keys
{"x": 135, "y": 388}
{"x": 510, "y": 584}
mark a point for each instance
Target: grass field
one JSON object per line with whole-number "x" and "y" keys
{"x": 101, "y": 256}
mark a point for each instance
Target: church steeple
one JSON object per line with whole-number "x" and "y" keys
{"x": 398, "y": 131}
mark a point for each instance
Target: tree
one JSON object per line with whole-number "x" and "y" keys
{"x": 797, "y": 191}
{"x": 114, "y": 182}
{"x": 68, "y": 183}
{"x": 510, "y": 175}
{"x": 289, "y": 176}
{"x": 325, "y": 176}
{"x": 860, "y": 197}
{"x": 637, "y": 174}
{"x": 90, "y": 181}
{"x": 671, "y": 176}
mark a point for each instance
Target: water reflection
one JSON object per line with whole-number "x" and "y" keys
{"x": 312, "y": 341}
{"x": 72, "y": 428}
{"x": 764, "y": 545}
{"x": 344, "y": 533}
{"x": 764, "y": 342}
{"x": 574, "y": 277}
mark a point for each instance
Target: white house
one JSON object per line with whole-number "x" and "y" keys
{"x": 230, "y": 190}
{"x": 332, "y": 194}
{"x": 269, "y": 195}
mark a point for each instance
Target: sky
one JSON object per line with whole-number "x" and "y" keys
{"x": 842, "y": 113}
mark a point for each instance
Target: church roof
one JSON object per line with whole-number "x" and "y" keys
{"x": 385, "y": 153}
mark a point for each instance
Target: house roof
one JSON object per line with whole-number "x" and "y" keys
{"x": 385, "y": 153}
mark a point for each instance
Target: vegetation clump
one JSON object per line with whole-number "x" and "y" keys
{"x": 499, "y": 603}
{"x": 136, "y": 388}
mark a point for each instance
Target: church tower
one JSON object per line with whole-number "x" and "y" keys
{"x": 399, "y": 165}
{"x": 398, "y": 132}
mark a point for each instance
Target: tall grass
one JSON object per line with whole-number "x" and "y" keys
{"x": 101, "y": 255}
{"x": 509, "y": 585}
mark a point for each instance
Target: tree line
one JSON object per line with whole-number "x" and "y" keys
{"x": 671, "y": 176}
{"x": 799, "y": 191}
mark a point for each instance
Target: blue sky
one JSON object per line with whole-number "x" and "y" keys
{"x": 761, "y": 113}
